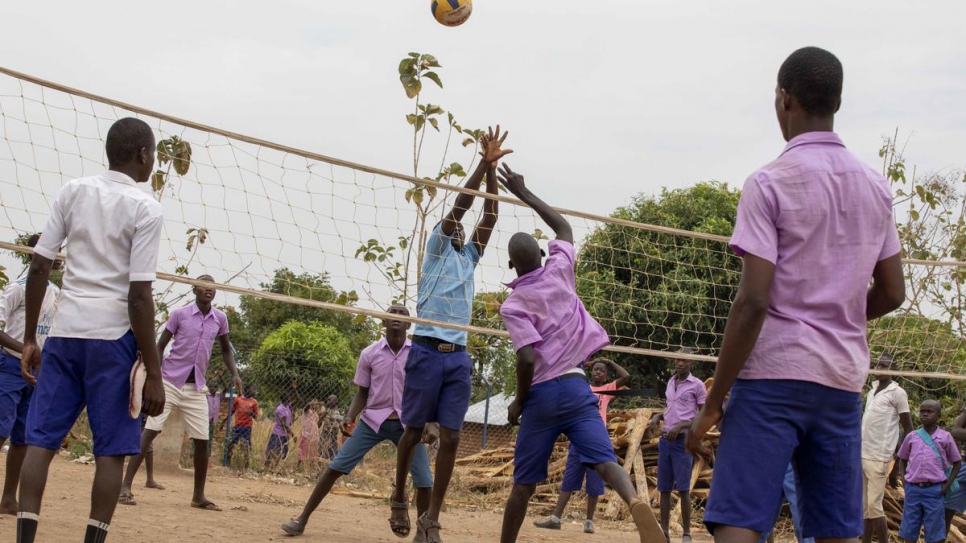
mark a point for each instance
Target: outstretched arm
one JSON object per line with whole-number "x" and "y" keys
{"x": 465, "y": 201}
{"x": 492, "y": 153}
{"x": 514, "y": 183}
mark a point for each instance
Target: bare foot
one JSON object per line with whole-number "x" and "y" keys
{"x": 154, "y": 484}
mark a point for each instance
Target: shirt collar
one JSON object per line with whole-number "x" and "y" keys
{"x": 890, "y": 386}
{"x": 383, "y": 343}
{"x": 195, "y": 310}
{"x": 526, "y": 279}
{"x": 119, "y": 177}
{"x": 813, "y": 137}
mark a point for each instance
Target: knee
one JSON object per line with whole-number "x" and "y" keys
{"x": 522, "y": 492}
{"x": 449, "y": 439}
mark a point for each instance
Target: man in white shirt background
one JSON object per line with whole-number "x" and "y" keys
{"x": 885, "y": 423}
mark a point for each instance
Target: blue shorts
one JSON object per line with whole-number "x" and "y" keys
{"x": 574, "y": 474}
{"x": 559, "y": 406}
{"x": 767, "y": 424}
{"x": 673, "y": 465}
{"x": 437, "y": 388}
{"x": 240, "y": 433}
{"x": 277, "y": 446}
{"x": 957, "y": 501}
{"x": 15, "y": 393}
{"x": 923, "y": 507}
{"x": 364, "y": 439}
{"x": 95, "y": 373}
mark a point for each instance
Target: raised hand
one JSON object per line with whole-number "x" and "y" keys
{"x": 492, "y": 144}
{"x": 511, "y": 180}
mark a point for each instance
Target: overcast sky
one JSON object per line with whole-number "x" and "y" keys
{"x": 603, "y": 100}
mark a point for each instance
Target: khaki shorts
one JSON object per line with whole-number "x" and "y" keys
{"x": 875, "y": 473}
{"x": 193, "y": 405}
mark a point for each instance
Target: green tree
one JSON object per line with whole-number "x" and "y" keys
{"x": 651, "y": 289}
{"x": 493, "y": 356}
{"x": 307, "y": 359}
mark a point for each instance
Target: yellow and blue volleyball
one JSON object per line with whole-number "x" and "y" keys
{"x": 452, "y": 12}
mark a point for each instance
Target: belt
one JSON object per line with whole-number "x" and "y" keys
{"x": 680, "y": 436}
{"x": 438, "y": 345}
{"x": 571, "y": 376}
{"x": 925, "y": 485}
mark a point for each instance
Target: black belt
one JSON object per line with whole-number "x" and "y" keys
{"x": 680, "y": 436}
{"x": 571, "y": 376}
{"x": 437, "y": 344}
{"x": 925, "y": 485}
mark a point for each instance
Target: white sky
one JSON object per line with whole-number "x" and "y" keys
{"x": 604, "y": 100}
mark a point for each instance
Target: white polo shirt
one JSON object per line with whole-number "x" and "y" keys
{"x": 880, "y": 422}
{"x": 112, "y": 231}
{"x": 13, "y": 312}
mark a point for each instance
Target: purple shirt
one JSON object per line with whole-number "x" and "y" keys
{"x": 283, "y": 413}
{"x": 384, "y": 374}
{"x": 544, "y": 311}
{"x": 824, "y": 219}
{"x": 214, "y": 406}
{"x": 194, "y": 333}
{"x": 923, "y": 464}
{"x": 683, "y": 400}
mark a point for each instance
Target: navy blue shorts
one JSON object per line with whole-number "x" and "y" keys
{"x": 673, "y": 465}
{"x": 240, "y": 433}
{"x": 559, "y": 406}
{"x": 95, "y": 373}
{"x": 575, "y": 473}
{"x": 767, "y": 424}
{"x": 365, "y": 438}
{"x": 923, "y": 508}
{"x": 277, "y": 447}
{"x": 15, "y": 393}
{"x": 437, "y": 388}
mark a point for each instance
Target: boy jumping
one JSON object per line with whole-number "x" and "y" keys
{"x": 438, "y": 369}
{"x": 554, "y": 336}
{"x": 105, "y": 315}
{"x": 575, "y": 473}
{"x": 815, "y": 228}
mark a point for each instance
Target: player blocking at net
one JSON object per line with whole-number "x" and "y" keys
{"x": 437, "y": 387}
{"x": 105, "y": 314}
{"x": 554, "y": 336}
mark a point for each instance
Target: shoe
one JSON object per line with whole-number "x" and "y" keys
{"x": 549, "y": 524}
{"x": 293, "y": 527}
{"x": 686, "y": 538}
{"x": 588, "y": 526}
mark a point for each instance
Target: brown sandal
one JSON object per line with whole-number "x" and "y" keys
{"x": 423, "y": 526}
{"x": 399, "y": 528}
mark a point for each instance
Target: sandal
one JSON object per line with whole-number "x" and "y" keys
{"x": 206, "y": 505}
{"x": 399, "y": 528}
{"x": 423, "y": 526}
{"x": 126, "y": 498}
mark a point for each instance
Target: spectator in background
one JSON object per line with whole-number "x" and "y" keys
{"x": 245, "y": 410}
{"x": 309, "y": 444}
{"x": 885, "y": 423}
{"x": 331, "y": 418}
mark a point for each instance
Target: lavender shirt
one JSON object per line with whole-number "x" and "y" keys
{"x": 683, "y": 400}
{"x": 544, "y": 311}
{"x": 923, "y": 464}
{"x": 384, "y": 374}
{"x": 194, "y": 333}
{"x": 824, "y": 219}
{"x": 282, "y": 413}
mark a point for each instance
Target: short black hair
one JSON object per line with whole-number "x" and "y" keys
{"x": 814, "y": 76}
{"x": 125, "y": 138}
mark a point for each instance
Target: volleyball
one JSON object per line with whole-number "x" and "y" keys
{"x": 452, "y": 12}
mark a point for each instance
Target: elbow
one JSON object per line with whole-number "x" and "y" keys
{"x": 753, "y": 306}
{"x": 895, "y": 296}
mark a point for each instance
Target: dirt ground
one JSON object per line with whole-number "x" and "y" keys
{"x": 254, "y": 509}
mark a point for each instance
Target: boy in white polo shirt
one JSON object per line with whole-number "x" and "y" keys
{"x": 105, "y": 315}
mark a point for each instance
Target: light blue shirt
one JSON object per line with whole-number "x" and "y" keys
{"x": 446, "y": 286}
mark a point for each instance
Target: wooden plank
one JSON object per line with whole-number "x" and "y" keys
{"x": 641, "y": 478}
{"x": 641, "y": 422}
{"x": 696, "y": 471}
